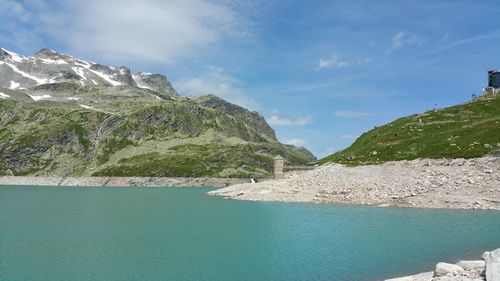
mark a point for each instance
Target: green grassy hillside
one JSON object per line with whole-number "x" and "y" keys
{"x": 463, "y": 131}
{"x": 129, "y": 131}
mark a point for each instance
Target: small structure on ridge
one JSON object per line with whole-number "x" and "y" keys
{"x": 279, "y": 166}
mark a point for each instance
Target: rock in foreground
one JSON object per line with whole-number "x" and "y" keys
{"x": 480, "y": 270}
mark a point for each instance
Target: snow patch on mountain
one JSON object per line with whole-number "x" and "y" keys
{"x": 79, "y": 71}
{"x": 14, "y": 85}
{"x": 141, "y": 85}
{"x": 49, "y": 61}
{"x": 86, "y": 106}
{"x": 39, "y": 98}
{"x": 106, "y": 77}
{"x": 4, "y": 96}
{"x": 82, "y": 63}
{"x": 39, "y": 81}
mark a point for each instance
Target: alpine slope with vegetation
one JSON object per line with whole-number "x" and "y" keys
{"x": 468, "y": 130}
{"x": 410, "y": 170}
{"x": 62, "y": 116}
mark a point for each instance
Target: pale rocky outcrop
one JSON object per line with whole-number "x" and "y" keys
{"x": 447, "y": 269}
{"x": 477, "y": 268}
{"x": 487, "y": 269}
{"x": 492, "y": 265}
{"x": 471, "y": 265}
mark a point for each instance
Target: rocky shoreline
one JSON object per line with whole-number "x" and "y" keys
{"x": 486, "y": 269}
{"x": 422, "y": 183}
{"x": 122, "y": 181}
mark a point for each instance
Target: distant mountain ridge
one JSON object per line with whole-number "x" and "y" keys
{"x": 63, "y": 116}
{"x": 48, "y": 66}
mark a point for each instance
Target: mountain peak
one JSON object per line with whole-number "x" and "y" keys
{"x": 4, "y": 54}
{"x": 51, "y": 54}
{"x": 45, "y": 52}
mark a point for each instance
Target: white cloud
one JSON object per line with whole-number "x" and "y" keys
{"x": 401, "y": 39}
{"x": 397, "y": 40}
{"x": 352, "y": 114}
{"x": 296, "y": 142}
{"x": 126, "y": 31}
{"x": 216, "y": 81}
{"x": 415, "y": 40}
{"x": 16, "y": 10}
{"x": 16, "y": 17}
{"x": 279, "y": 121}
{"x": 333, "y": 61}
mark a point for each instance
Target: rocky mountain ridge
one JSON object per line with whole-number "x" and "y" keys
{"x": 48, "y": 67}
{"x": 62, "y": 116}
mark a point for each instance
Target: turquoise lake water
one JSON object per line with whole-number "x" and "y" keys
{"x": 70, "y": 233}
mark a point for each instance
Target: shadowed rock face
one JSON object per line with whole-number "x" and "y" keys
{"x": 63, "y": 116}
{"x": 4, "y": 55}
{"x": 257, "y": 121}
{"x": 120, "y": 74}
{"x": 154, "y": 82}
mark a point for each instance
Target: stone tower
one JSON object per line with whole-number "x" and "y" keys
{"x": 279, "y": 164}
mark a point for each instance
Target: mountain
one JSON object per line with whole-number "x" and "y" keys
{"x": 48, "y": 67}
{"x": 63, "y": 116}
{"x": 467, "y": 130}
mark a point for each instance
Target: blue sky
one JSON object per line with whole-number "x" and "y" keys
{"x": 320, "y": 72}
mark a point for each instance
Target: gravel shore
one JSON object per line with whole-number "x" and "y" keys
{"x": 121, "y": 181}
{"x": 421, "y": 183}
